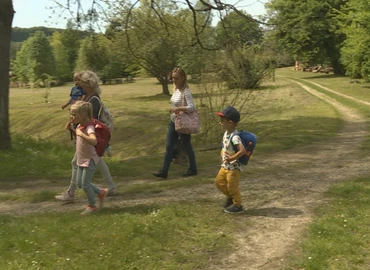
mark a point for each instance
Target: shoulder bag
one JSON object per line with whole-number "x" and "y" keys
{"x": 187, "y": 123}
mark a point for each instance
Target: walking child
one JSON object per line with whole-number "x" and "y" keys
{"x": 77, "y": 93}
{"x": 87, "y": 158}
{"x": 228, "y": 177}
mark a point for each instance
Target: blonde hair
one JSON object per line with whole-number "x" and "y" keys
{"x": 90, "y": 78}
{"x": 83, "y": 108}
{"x": 183, "y": 76}
{"x": 77, "y": 75}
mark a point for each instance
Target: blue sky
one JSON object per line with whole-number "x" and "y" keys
{"x": 30, "y": 13}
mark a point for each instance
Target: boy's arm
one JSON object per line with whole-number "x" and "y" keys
{"x": 241, "y": 152}
{"x": 83, "y": 97}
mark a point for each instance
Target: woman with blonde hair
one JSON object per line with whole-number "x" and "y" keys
{"x": 182, "y": 92}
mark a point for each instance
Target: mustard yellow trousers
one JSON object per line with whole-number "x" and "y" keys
{"x": 227, "y": 181}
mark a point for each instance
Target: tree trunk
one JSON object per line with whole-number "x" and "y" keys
{"x": 6, "y": 18}
{"x": 164, "y": 82}
{"x": 165, "y": 90}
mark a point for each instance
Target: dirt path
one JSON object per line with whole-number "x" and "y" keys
{"x": 279, "y": 200}
{"x": 281, "y": 203}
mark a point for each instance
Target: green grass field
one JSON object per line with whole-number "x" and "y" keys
{"x": 164, "y": 235}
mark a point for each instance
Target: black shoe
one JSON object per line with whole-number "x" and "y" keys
{"x": 161, "y": 174}
{"x": 228, "y": 202}
{"x": 190, "y": 173}
{"x": 234, "y": 210}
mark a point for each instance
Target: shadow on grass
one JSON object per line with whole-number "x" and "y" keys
{"x": 274, "y": 212}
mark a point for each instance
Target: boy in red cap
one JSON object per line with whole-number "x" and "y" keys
{"x": 227, "y": 179}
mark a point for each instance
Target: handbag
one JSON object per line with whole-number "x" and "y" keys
{"x": 187, "y": 123}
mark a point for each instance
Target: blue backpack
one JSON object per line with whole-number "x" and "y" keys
{"x": 249, "y": 140}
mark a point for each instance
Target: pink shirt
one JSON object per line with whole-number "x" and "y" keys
{"x": 85, "y": 152}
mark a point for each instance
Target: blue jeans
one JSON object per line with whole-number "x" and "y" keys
{"x": 171, "y": 140}
{"x": 84, "y": 178}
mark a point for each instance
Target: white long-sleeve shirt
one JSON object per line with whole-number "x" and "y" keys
{"x": 176, "y": 101}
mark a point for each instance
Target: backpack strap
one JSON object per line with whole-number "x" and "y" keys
{"x": 100, "y": 102}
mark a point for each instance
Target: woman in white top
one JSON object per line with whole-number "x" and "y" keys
{"x": 179, "y": 79}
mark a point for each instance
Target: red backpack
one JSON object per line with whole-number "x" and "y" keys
{"x": 102, "y": 133}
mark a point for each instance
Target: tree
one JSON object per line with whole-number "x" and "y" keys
{"x": 101, "y": 55}
{"x": 6, "y": 18}
{"x": 236, "y": 30}
{"x": 35, "y": 59}
{"x": 71, "y": 38}
{"x": 355, "y": 55}
{"x": 308, "y": 29}
{"x": 63, "y": 71}
{"x": 148, "y": 43}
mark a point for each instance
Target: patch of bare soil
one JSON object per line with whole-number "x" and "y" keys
{"x": 279, "y": 199}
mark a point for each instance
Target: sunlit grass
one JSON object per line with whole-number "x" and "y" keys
{"x": 339, "y": 237}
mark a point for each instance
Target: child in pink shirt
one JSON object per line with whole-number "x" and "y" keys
{"x": 87, "y": 158}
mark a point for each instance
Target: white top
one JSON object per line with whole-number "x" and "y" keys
{"x": 227, "y": 148}
{"x": 176, "y": 101}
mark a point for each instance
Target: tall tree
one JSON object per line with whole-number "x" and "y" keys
{"x": 71, "y": 38}
{"x": 6, "y": 18}
{"x": 63, "y": 71}
{"x": 355, "y": 55}
{"x": 237, "y": 30}
{"x": 308, "y": 29}
{"x": 101, "y": 55}
{"x": 35, "y": 59}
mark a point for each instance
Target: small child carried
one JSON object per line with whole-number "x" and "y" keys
{"x": 77, "y": 93}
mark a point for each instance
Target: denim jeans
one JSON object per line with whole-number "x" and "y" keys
{"x": 171, "y": 140}
{"x": 102, "y": 168}
{"x": 84, "y": 178}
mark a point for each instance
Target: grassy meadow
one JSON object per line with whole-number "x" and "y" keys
{"x": 158, "y": 235}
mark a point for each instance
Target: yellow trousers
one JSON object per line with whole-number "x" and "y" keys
{"x": 227, "y": 181}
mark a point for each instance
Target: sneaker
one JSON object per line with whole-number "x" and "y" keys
{"x": 112, "y": 192}
{"x": 160, "y": 174}
{"x": 109, "y": 151}
{"x": 228, "y": 202}
{"x": 65, "y": 197}
{"x": 89, "y": 210}
{"x": 234, "y": 210}
{"x": 102, "y": 196}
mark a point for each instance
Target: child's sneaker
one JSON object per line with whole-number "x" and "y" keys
{"x": 65, "y": 197}
{"x": 234, "y": 210}
{"x": 228, "y": 202}
{"x": 89, "y": 210}
{"x": 103, "y": 194}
